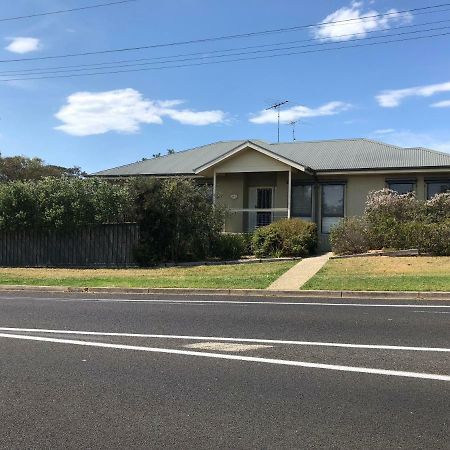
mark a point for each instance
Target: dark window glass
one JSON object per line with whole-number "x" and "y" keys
{"x": 438, "y": 187}
{"x": 332, "y": 205}
{"x": 401, "y": 187}
{"x": 301, "y": 201}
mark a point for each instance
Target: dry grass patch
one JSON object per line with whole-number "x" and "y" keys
{"x": 257, "y": 276}
{"x": 384, "y": 273}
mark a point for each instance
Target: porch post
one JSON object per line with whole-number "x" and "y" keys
{"x": 289, "y": 191}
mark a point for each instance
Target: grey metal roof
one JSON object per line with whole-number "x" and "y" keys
{"x": 332, "y": 155}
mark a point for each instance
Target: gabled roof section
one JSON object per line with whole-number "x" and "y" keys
{"x": 261, "y": 147}
{"x": 315, "y": 156}
{"x": 360, "y": 154}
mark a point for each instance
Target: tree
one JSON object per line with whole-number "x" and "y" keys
{"x": 22, "y": 168}
{"x": 170, "y": 151}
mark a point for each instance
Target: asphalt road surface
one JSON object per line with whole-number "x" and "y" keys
{"x": 108, "y": 371}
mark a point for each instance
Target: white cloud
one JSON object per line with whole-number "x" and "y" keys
{"x": 407, "y": 138}
{"x": 384, "y": 131}
{"x": 23, "y": 45}
{"x": 443, "y": 104}
{"x": 393, "y": 98}
{"x": 355, "y": 26}
{"x": 124, "y": 110}
{"x": 299, "y": 112}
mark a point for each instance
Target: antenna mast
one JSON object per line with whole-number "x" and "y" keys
{"x": 277, "y": 106}
{"x": 293, "y": 123}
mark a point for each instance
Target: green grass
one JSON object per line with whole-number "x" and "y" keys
{"x": 245, "y": 276}
{"x": 383, "y": 274}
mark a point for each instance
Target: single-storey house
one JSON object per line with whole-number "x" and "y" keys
{"x": 320, "y": 181}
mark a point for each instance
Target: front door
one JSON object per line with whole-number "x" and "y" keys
{"x": 262, "y": 198}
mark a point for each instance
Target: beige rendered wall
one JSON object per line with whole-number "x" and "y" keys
{"x": 250, "y": 161}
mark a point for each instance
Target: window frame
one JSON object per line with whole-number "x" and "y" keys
{"x": 344, "y": 202}
{"x": 311, "y": 203}
{"x": 435, "y": 181}
{"x": 411, "y": 181}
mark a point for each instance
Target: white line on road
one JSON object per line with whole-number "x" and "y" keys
{"x": 227, "y": 339}
{"x": 227, "y": 302}
{"x": 282, "y": 362}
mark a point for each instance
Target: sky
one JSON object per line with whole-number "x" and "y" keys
{"x": 398, "y": 93}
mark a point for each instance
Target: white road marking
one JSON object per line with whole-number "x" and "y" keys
{"x": 225, "y": 346}
{"x": 228, "y": 302}
{"x": 227, "y": 339}
{"x": 433, "y": 312}
{"x": 282, "y": 362}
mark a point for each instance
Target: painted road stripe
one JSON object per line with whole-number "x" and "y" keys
{"x": 282, "y": 362}
{"x": 228, "y": 302}
{"x": 225, "y": 339}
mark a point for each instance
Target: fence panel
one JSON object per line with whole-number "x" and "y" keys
{"x": 109, "y": 245}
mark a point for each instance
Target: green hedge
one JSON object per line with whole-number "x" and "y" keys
{"x": 288, "y": 237}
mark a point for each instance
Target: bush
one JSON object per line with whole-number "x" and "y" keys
{"x": 438, "y": 208}
{"x": 229, "y": 246}
{"x": 350, "y": 236}
{"x": 62, "y": 203}
{"x": 177, "y": 219}
{"x": 288, "y": 237}
{"x": 396, "y": 221}
{"x": 435, "y": 238}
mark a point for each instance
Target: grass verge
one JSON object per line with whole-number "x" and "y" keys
{"x": 244, "y": 276}
{"x": 384, "y": 274}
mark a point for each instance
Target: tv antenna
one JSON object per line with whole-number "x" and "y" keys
{"x": 277, "y": 107}
{"x": 292, "y": 124}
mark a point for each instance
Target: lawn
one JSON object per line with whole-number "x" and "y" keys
{"x": 252, "y": 276}
{"x": 384, "y": 274}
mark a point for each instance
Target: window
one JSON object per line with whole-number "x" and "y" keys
{"x": 332, "y": 205}
{"x": 402, "y": 186}
{"x": 301, "y": 201}
{"x": 437, "y": 187}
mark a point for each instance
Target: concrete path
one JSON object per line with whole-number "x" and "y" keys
{"x": 299, "y": 274}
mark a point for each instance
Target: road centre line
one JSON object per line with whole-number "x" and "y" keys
{"x": 227, "y": 339}
{"x": 366, "y": 370}
{"x": 237, "y": 302}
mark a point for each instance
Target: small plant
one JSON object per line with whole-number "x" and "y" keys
{"x": 350, "y": 236}
{"x": 228, "y": 246}
{"x": 288, "y": 237}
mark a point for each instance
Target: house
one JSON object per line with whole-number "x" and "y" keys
{"x": 320, "y": 181}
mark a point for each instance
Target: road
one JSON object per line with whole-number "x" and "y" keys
{"x": 108, "y": 371}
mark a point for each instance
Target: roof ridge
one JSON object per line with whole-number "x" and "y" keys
{"x": 322, "y": 140}
{"x": 430, "y": 150}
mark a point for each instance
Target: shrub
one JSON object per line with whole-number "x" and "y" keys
{"x": 61, "y": 203}
{"x": 288, "y": 237}
{"x": 350, "y": 236}
{"x": 177, "y": 219}
{"x": 435, "y": 238}
{"x": 397, "y": 221}
{"x": 229, "y": 246}
{"x": 438, "y": 208}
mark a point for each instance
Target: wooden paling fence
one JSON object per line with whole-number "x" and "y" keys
{"x": 109, "y": 245}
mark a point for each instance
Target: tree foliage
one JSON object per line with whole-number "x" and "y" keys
{"x": 62, "y": 203}
{"x": 14, "y": 168}
{"x": 177, "y": 218}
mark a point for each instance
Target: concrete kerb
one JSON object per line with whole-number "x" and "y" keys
{"x": 351, "y": 295}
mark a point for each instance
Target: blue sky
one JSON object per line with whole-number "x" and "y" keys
{"x": 398, "y": 93}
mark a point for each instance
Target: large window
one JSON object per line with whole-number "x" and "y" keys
{"x": 435, "y": 187}
{"x": 402, "y": 186}
{"x": 301, "y": 201}
{"x": 332, "y": 205}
